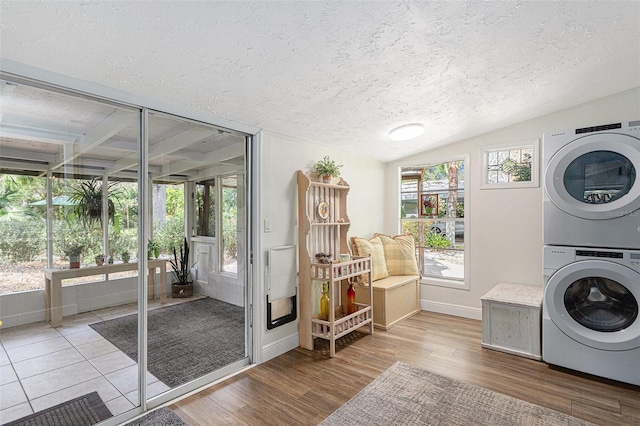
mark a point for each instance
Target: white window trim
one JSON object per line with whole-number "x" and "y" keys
{"x": 463, "y": 284}
{"x": 533, "y": 183}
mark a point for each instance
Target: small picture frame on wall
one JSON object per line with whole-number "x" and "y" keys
{"x": 511, "y": 165}
{"x": 429, "y": 205}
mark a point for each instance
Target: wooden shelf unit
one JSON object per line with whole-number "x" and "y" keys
{"x": 327, "y": 235}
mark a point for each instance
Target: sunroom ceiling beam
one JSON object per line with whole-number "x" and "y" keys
{"x": 86, "y": 170}
{"x": 23, "y": 154}
{"x": 34, "y": 134}
{"x": 23, "y": 166}
{"x": 179, "y": 141}
{"x": 210, "y": 159}
{"x": 111, "y": 125}
{"x": 165, "y": 147}
{"x": 216, "y": 171}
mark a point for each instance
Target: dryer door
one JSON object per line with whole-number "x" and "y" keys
{"x": 596, "y": 176}
{"x": 595, "y": 302}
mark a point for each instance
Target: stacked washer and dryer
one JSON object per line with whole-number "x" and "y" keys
{"x": 590, "y": 315}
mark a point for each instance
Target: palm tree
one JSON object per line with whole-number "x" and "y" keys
{"x": 11, "y": 205}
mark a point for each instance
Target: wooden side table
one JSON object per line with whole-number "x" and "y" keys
{"x": 511, "y": 318}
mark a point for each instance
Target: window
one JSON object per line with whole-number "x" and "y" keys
{"x": 510, "y": 166}
{"x": 432, "y": 209}
{"x": 230, "y": 224}
{"x": 206, "y": 208}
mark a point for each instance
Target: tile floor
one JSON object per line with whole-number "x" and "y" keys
{"x": 41, "y": 366}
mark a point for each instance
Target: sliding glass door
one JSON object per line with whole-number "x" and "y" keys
{"x": 100, "y": 206}
{"x": 68, "y": 215}
{"x": 193, "y": 171}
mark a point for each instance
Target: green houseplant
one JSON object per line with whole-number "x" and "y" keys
{"x": 327, "y": 168}
{"x": 88, "y": 202}
{"x": 125, "y": 256}
{"x": 74, "y": 252}
{"x": 153, "y": 250}
{"x": 183, "y": 286}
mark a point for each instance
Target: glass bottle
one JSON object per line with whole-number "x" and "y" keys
{"x": 324, "y": 302}
{"x": 351, "y": 298}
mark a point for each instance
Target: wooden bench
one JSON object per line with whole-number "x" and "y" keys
{"x": 394, "y": 298}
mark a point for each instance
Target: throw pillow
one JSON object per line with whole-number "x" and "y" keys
{"x": 373, "y": 247}
{"x": 400, "y": 254}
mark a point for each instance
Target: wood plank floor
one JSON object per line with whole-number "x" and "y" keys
{"x": 303, "y": 387}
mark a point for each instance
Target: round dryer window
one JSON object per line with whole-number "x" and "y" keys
{"x": 599, "y": 177}
{"x": 596, "y": 176}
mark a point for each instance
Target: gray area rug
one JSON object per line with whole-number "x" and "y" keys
{"x": 162, "y": 416}
{"x": 185, "y": 341}
{"x": 82, "y": 411}
{"x": 406, "y": 395}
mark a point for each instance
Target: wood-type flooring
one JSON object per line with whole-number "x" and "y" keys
{"x": 303, "y": 387}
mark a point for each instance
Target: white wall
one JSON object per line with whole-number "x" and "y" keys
{"x": 280, "y": 157}
{"x": 504, "y": 228}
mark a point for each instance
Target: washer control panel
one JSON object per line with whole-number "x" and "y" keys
{"x": 555, "y": 257}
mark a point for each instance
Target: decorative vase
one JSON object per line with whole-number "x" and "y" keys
{"x": 351, "y": 298}
{"x": 181, "y": 290}
{"x": 326, "y": 178}
{"x": 324, "y": 302}
{"x": 99, "y": 260}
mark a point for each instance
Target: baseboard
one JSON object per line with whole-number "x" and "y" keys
{"x": 279, "y": 347}
{"x": 449, "y": 309}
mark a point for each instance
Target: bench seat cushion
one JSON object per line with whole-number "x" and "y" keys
{"x": 373, "y": 247}
{"x": 400, "y": 254}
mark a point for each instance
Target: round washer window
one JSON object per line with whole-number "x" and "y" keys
{"x": 599, "y": 177}
{"x": 601, "y": 304}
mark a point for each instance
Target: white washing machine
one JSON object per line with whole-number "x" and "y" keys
{"x": 592, "y": 186}
{"x": 590, "y": 319}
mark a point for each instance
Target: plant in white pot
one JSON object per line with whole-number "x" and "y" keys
{"x": 183, "y": 285}
{"x": 74, "y": 252}
{"x": 327, "y": 169}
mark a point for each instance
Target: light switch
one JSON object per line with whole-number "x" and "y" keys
{"x": 267, "y": 225}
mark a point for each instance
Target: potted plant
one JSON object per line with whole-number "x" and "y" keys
{"x": 88, "y": 199}
{"x": 73, "y": 252}
{"x": 126, "y": 256}
{"x": 99, "y": 259}
{"x": 327, "y": 169}
{"x": 183, "y": 286}
{"x": 153, "y": 250}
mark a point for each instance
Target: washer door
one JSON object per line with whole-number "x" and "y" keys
{"x": 595, "y": 302}
{"x": 596, "y": 176}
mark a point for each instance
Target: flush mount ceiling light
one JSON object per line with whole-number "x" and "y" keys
{"x": 406, "y": 132}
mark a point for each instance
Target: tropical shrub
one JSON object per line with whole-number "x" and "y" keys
{"x": 22, "y": 240}
{"x": 437, "y": 240}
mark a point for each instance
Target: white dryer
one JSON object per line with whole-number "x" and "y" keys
{"x": 590, "y": 319}
{"x": 592, "y": 186}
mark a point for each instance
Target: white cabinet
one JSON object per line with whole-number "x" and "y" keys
{"x": 511, "y": 317}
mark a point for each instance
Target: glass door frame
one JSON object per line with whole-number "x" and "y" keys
{"x": 52, "y": 81}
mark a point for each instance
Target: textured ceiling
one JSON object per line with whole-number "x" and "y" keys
{"x": 341, "y": 73}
